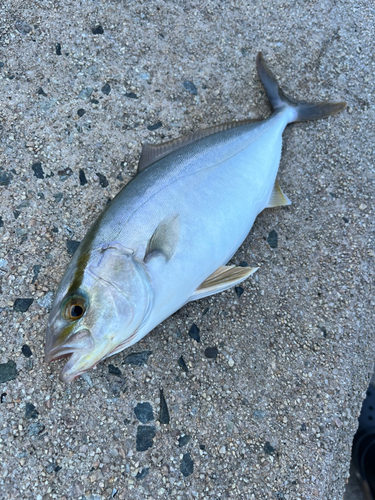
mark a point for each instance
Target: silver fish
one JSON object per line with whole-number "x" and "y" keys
{"x": 165, "y": 238}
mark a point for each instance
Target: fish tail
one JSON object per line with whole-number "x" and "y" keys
{"x": 300, "y": 110}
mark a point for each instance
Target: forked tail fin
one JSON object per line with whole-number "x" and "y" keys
{"x": 303, "y": 110}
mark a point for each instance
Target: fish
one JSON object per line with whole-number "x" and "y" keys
{"x": 167, "y": 236}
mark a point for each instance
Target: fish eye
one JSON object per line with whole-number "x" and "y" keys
{"x": 75, "y": 308}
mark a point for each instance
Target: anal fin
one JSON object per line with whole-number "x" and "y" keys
{"x": 278, "y": 198}
{"x": 223, "y": 278}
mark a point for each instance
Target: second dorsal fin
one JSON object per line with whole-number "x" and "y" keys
{"x": 154, "y": 152}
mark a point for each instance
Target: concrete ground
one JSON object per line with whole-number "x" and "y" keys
{"x": 82, "y": 86}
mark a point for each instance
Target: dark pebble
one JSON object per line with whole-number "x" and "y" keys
{"x": 3, "y": 397}
{"x": 58, "y": 197}
{"x": 144, "y": 413}
{"x": 187, "y": 465}
{"x": 1, "y": 222}
{"x": 30, "y": 411}
{"x": 55, "y": 229}
{"x": 106, "y": 89}
{"x": 35, "y": 429}
{"x": 211, "y": 352}
{"x": 145, "y": 436}
{"x": 324, "y": 331}
{"x": 94, "y": 101}
{"x": 82, "y": 177}
{"x": 65, "y": 173}
{"x": 142, "y": 474}
{"x": 138, "y": 358}
{"x": 345, "y": 219}
{"x": 183, "y": 440}
{"x": 5, "y": 179}
{"x": 81, "y": 112}
{"x": 194, "y": 332}
{"x": 41, "y": 92}
{"x": 202, "y": 447}
{"x": 272, "y": 239}
{"x": 243, "y": 263}
{"x": 102, "y": 180}
{"x": 164, "y": 413}
{"x": 98, "y": 30}
{"x": 126, "y": 421}
{"x": 155, "y": 126}
{"x": 182, "y": 363}
{"x": 26, "y": 351}
{"x": 41, "y": 196}
{"x": 303, "y": 427}
{"x": 52, "y": 468}
{"x": 38, "y": 171}
{"x": 131, "y": 95}
{"x": 22, "y": 305}
{"x": 238, "y": 290}
{"x": 8, "y": 371}
{"x": 58, "y": 49}
{"x": 190, "y": 87}
{"x": 16, "y": 214}
{"x": 71, "y": 246}
{"x": 36, "y": 270}
{"x": 113, "y": 370}
{"x": 268, "y": 448}
{"x": 1, "y": 64}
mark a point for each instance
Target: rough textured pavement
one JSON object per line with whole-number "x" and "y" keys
{"x": 82, "y": 86}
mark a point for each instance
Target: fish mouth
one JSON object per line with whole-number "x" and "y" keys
{"x": 75, "y": 348}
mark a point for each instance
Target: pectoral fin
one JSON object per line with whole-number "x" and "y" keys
{"x": 223, "y": 278}
{"x": 164, "y": 239}
{"x": 278, "y": 198}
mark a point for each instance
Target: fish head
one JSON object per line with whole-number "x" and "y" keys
{"x": 103, "y": 300}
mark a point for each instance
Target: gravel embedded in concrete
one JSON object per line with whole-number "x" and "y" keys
{"x": 295, "y": 347}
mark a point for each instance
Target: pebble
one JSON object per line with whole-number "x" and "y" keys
{"x": 106, "y": 89}
{"x": 164, "y": 412}
{"x": 145, "y": 437}
{"x": 81, "y": 112}
{"x": 8, "y": 371}
{"x": 3, "y": 263}
{"x": 71, "y": 246}
{"x": 82, "y": 177}
{"x": 58, "y": 197}
{"x": 5, "y": 178}
{"x": 211, "y": 352}
{"x": 46, "y": 300}
{"x": 268, "y": 448}
{"x": 272, "y": 239}
{"x": 58, "y": 49}
{"x": 22, "y": 305}
{"x": 26, "y": 351}
{"x": 238, "y": 290}
{"x": 97, "y": 30}
{"x": 231, "y": 362}
{"x": 114, "y": 370}
{"x": 85, "y": 93}
{"x": 222, "y": 450}
{"x": 182, "y": 364}
{"x": 36, "y": 270}
{"x": 138, "y": 358}
{"x": 190, "y": 87}
{"x": 1, "y": 222}
{"x": 183, "y": 440}
{"x": 53, "y": 467}
{"x": 142, "y": 474}
{"x": 155, "y": 126}
{"x": 22, "y": 27}
{"x": 41, "y": 92}
{"x": 38, "y": 171}
{"x": 131, "y": 95}
{"x": 194, "y": 332}
{"x": 102, "y": 180}
{"x": 35, "y": 429}
{"x": 144, "y": 413}
{"x": 30, "y": 411}
{"x": 187, "y": 465}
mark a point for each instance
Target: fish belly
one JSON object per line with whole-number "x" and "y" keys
{"x": 217, "y": 207}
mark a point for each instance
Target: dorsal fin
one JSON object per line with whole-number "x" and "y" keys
{"x": 154, "y": 152}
